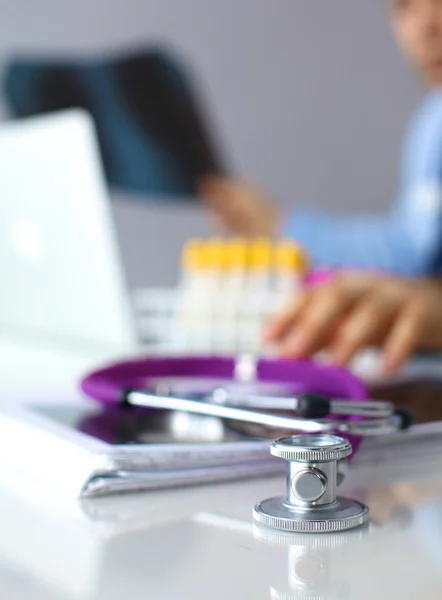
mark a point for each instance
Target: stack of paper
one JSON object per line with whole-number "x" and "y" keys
{"x": 61, "y": 447}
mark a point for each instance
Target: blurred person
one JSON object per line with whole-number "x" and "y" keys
{"x": 358, "y": 309}
{"x": 408, "y": 241}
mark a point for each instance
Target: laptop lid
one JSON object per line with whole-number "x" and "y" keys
{"x": 59, "y": 262}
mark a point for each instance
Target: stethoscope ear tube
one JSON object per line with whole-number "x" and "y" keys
{"x": 315, "y": 406}
{"x": 135, "y": 383}
{"x": 395, "y": 421}
{"x": 146, "y": 400}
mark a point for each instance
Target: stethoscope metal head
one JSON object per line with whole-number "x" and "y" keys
{"x": 311, "y": 504}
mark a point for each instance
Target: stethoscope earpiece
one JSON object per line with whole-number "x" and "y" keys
{"x": 406, "y": 418}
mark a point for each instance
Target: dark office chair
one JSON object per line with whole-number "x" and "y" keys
{"x": 152, "y": 134}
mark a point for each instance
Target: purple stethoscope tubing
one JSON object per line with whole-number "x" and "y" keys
{"x": 127, "y": 383}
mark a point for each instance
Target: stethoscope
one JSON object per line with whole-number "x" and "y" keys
{"x": 325, "y": 406}
{"x": 293, "y": 396}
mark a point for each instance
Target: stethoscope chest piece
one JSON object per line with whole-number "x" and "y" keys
{"x": 311, "y": 504}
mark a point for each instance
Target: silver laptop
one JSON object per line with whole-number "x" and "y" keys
{"x": 60, "y": 265}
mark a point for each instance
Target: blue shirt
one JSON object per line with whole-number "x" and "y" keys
{"x": 408, "y": 241}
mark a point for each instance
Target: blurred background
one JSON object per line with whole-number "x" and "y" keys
{"x": 289, "y": 92}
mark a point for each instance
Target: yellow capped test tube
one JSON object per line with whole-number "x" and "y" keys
{"x": 289, "y": 257}
{"x": 289, "y": 267}
{"x": 193, "y": 255}
{"x": 200, "y": 260}
{"x": 260, "y": 254}
{"x": 236, "y": 254}
{"x": 215, "y": 254}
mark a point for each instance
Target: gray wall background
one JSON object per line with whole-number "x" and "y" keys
{"x": 310, "y": 97}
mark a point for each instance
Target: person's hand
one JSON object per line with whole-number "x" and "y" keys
{"x": 357, "y": 310}
{"x": 240, "y": 207}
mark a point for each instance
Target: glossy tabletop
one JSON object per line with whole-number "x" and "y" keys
{"x": 200, "y": 542}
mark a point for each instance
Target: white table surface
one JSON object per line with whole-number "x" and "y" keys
{"x": 36, "y": 367}
{"x": 200, "y": 543}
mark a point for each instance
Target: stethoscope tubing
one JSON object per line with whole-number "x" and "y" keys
{"x": 363, "y": 427}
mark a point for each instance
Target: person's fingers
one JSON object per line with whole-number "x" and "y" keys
{"x": 219, "y": 194}
{"x": 366, "y": 324}
{"x": 280, "y": 325}
{"x": 209, "y": 183}
{"x": 277, "y": 328}
{"x": 431, "y": 307}
{"x": 231, "y": 207}
{"x": 357, "y": 283}
{"x": 312, "y": 330}
{"x": 404, "y": 336}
